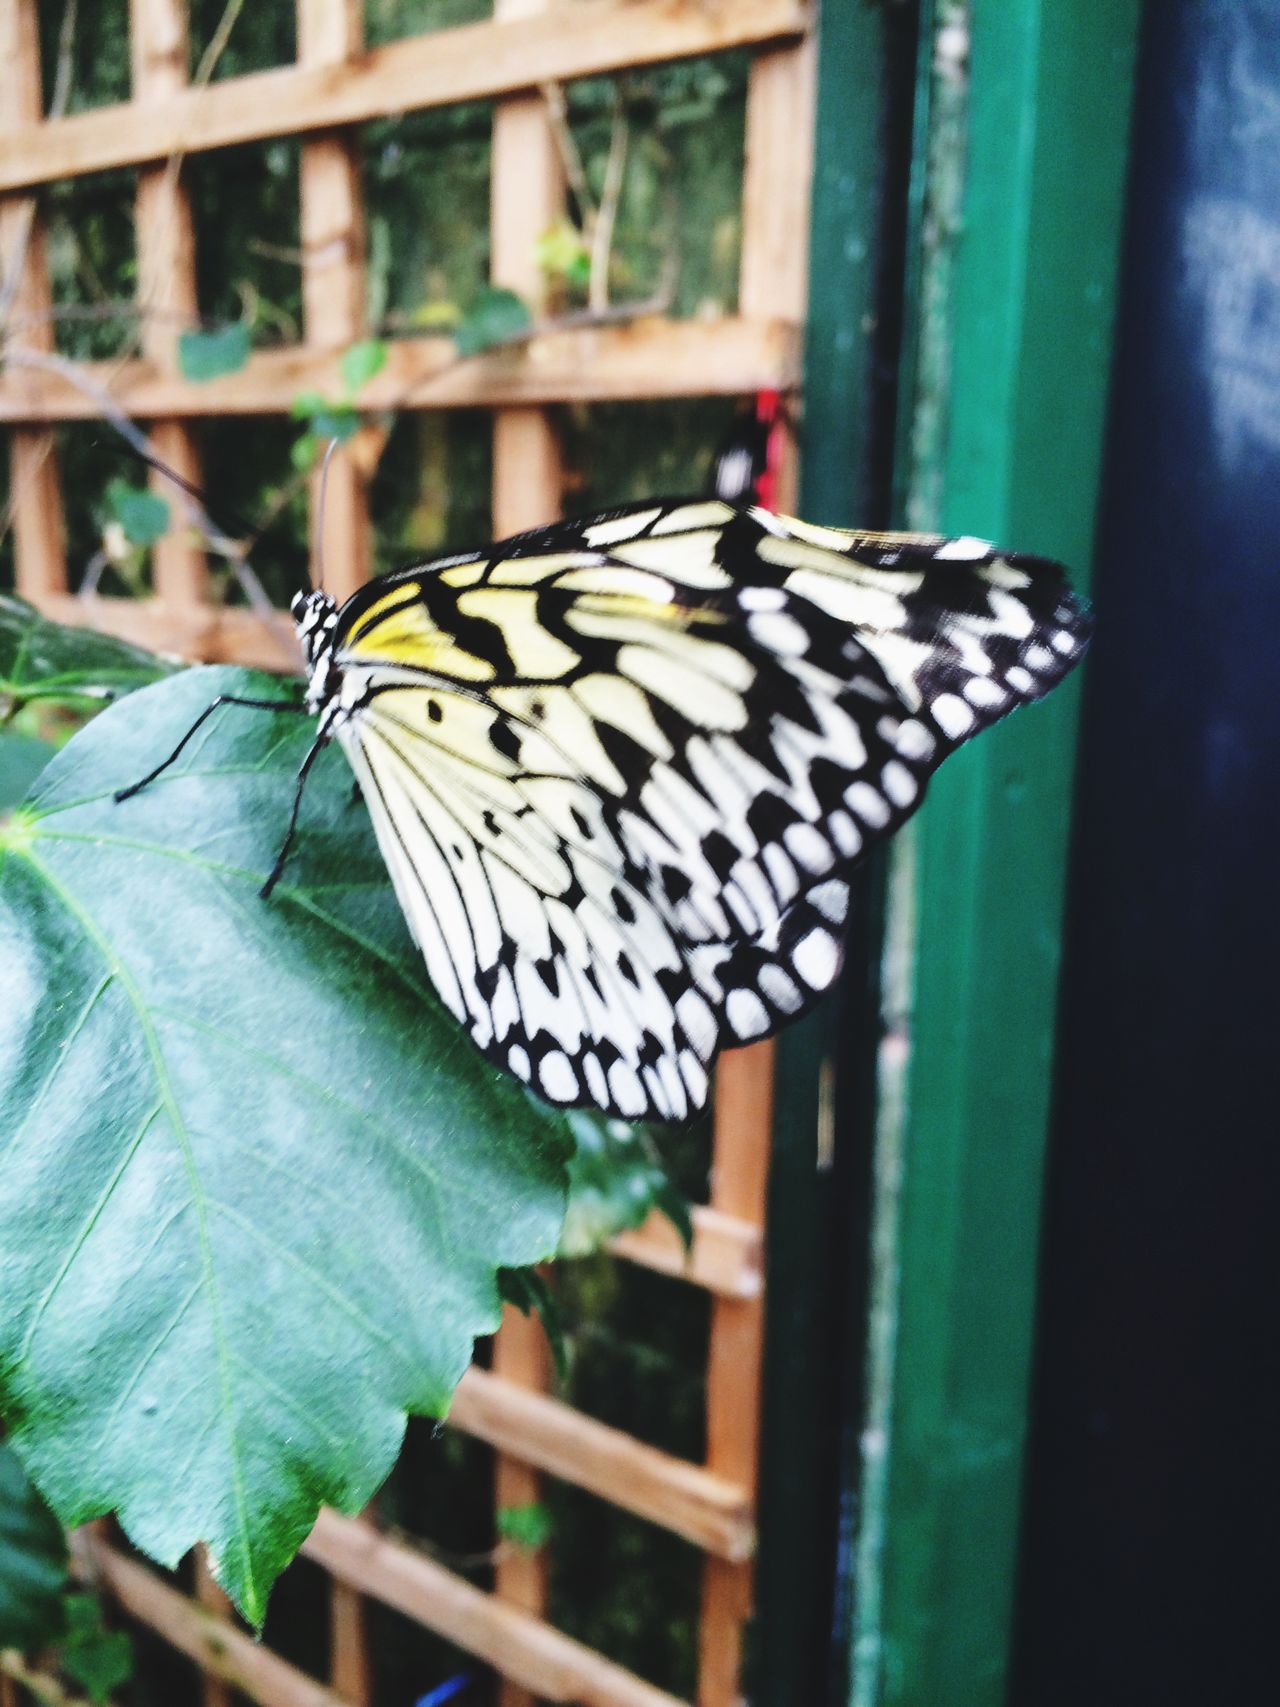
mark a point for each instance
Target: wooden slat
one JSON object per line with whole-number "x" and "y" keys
{"x": 214, "y": 1645}
{"x": 526, "y": 461}
{"x": 35, "y": 493}
{"x": 772, "y": 283}
{"x": 203, "y": 633}
{"x": 473, "y": 63}
{"x": 166, "y": 281}
{"x": 522, "y": 1364}
{"x": 727, "y": 1255}
{"x": 647, "y": 359}
{"x": 739, "y": 1185}
{"x": 331, "y": 36}
{"x": 526, "y": 196}
{"x": 350, "y": 1662}
{"x": 776, "y": 183}
{"x": 216, "y": 1692}
{"x": 711, "y": 1510}
{"x": 551, "y": 1665}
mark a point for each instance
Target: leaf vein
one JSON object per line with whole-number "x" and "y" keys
{"x": 182, "y": 1137}
{"x": 56, "y": 1066}
{"x": 152, "y": 1352}
{"x": 303, "y": 1268}
{"x": 82, "y": 1237}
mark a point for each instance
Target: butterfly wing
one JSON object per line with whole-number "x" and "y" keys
{"x": 620, "y": 768}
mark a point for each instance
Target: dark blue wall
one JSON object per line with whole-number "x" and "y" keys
{"x": 1153, "y": 1520}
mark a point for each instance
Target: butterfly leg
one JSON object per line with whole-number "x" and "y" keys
{"x": 277, "y": 870}
{"x": 222, "y": 699}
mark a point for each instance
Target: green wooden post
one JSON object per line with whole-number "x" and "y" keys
{"x": 1022, "y": 152}
{"x": 861, "y": 163}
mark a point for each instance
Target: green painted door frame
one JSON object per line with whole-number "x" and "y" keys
{"x": 1016, "y": 198}
{"x": 1024, "y": 117}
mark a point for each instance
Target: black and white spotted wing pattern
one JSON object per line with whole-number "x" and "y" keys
{"x": 620, "y": 768}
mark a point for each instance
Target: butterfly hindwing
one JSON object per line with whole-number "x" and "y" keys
{"x": 620, "y": 768}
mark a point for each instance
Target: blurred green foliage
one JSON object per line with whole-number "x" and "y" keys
{"x": 529, "y": 1526}
{"x": 207, "y": 355}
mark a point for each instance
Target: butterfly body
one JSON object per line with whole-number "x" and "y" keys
{"x": 620, "y": 768}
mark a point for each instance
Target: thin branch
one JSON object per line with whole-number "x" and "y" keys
{"x": 254, "y": 307}
{"x": 276, "y": 251}
{"x": 460, "y": 1562}
{"x": 570, "y": 156}
{"x": 217, "y": 44}
{"x": 93, "y": 573}
{"x": 66, "y": 52}
{"x": 602, "y": 225}
{"x": 218, "y": 542}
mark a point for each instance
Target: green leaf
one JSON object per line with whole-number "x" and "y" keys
{"x": 495, "y": 316}
{"x": 306, "y": 404}
{"x": 303, "y": 452}
{"x": 529, "y": 1526}
{"x": 22, "y": 758}
{"x": 562, "y": 253}
{"x": 615, "y": 1180}
{"x": 256, "y": 1182}
{"x": 527, "y": 1290}
{"x": 48, "y": 660}
{"x": 208, "y": 355}
{"x": 33, "y": 1560}
{"x": 143, "y": 515}
{"x": 438, "y": 316}
{"x": 361, "y": 362}
{"x": 96, "y": 1658}
{"x": 324, "y": 420}
{"x": 339, "y": 422}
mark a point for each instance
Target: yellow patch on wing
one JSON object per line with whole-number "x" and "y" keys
{"x": 608, "y": 617}
{"x": 408, "y": 637}
{"x": 395, "y": 598}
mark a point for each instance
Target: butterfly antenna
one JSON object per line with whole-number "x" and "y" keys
{"x": 318, "y": 552}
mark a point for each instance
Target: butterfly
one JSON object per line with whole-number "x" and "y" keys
{"x": 621, "y": 768}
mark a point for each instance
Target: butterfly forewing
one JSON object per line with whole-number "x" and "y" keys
{"x": 620, "y": 768}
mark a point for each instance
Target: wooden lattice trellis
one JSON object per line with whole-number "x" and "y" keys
{"x": 335, "y": 86}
